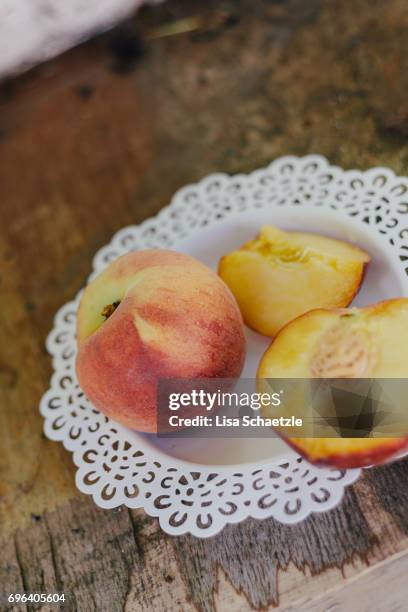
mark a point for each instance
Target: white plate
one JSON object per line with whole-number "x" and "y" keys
{"x": 199, "y": 485}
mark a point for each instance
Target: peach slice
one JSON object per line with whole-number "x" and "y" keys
{"x": 150, "y": 315}
{"x": 367, "y": 343}
{"x": 281, "y": 275}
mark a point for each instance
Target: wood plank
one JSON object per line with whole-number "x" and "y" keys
{"x": 383, "y": 587}
{"x": 253, "y": 554}
{"x": 116, "y": 560}
{"x": 93, "y": 549}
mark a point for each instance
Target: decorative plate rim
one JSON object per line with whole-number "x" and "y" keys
{"x": 376, "y": 196}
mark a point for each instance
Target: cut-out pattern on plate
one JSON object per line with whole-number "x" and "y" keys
{"x": 113, "y": 467}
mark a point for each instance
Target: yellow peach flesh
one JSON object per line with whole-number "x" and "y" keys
{"x": 369, "y": 343}
{"x": 281, "y": 275}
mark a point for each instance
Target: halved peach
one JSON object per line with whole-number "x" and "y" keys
{"x": 281, "y": 275}
{"x": 368, "y": 343}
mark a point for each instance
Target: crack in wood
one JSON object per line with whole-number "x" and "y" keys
{"x": 54, "y": 556}
{"x": 21, "y": 569}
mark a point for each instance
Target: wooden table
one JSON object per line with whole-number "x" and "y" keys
{"x": 101, "y": 138}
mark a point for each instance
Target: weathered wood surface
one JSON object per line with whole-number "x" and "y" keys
{"x": 101, "y": 138}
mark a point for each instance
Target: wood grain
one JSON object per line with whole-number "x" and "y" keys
{"x": 101, "y": 138}
{"x": 120, "y": 560}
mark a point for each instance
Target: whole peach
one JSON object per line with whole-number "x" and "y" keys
{"x": 150, "y": 315}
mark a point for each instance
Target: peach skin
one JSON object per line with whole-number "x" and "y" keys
{"x": 154, "y": 314}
